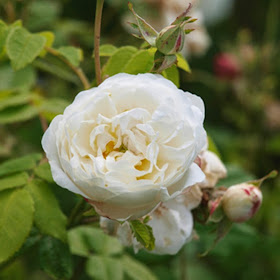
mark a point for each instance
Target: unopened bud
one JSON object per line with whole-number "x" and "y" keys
{"x": 241, "y": 202}
{"x": 171, "y": 39}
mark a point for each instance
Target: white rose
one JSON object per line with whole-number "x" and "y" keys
{"x": 128, "y": 144}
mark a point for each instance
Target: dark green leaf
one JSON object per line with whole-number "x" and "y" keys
{"x": 13, "y": 181}
{"x": 143, "y": 233}
{"x": 104, "y": 268}
{"x": 19, "y": 164}
{"x": 85, "y": 240}
{"x": 48, "y": 217}
{"x": 55, "y": 258}
{"x": 16, "y": 216}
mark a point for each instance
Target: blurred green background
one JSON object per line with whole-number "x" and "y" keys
{"x": 242, "y": 116}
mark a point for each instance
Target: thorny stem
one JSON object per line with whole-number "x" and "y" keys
{"x": 97, "y": 28}
{"x": 79, "y": 72}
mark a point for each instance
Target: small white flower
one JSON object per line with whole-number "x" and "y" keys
{"x": 128, "y": 145}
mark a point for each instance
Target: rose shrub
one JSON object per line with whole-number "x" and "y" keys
{"x": 128, "y": 144}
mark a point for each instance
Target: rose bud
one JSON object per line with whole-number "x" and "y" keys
{"x": 226, "y": 66}
{"x": 241, "y": 202}
{"x": 171, "y": 39}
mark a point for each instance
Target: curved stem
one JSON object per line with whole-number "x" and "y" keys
{"x": 79, "y": 72}
{"x": 97, "y": 28}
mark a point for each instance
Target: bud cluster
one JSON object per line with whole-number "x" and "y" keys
{"x": 169, "y": 41}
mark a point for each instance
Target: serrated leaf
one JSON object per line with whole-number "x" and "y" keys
{"x": 19, "y": 164}
{"x": 49, "y": 41}
{"x": 48, "y": 216}
{"x": 14, "y": 100}
{"x": 118, "y": 61}
{"x": 17, "y": 114}
{"x": 23, "y": 47}
{"x": 104, "y": 268}
{"x": 182, "y": 63}
{"x": 140, "y": 62}
{"x": 107, "y": 50}
{"x": 143, "y": 233}
{"x": 136, "y": 270}
{"x": 16, "y": 216}
{"x": 14, "y": 80}
{"x": 43, "y": 171}
{"x": 172, "y": 74}
{"x": 13, "y": 181}
{"x": 72, "y": 54}
{"x": 55, "y": 258}
{"x": 84, "y": 240}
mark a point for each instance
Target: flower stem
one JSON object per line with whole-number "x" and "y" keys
{"x": 97, "y": 28}
{"x": 79, "y": 72}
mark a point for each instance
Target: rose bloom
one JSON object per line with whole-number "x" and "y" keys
{"x": 128, "y": 145}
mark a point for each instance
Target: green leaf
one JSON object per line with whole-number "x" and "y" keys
{"x": 136, "y": 270}
{"x": 49, "y": 41}
{"x": 16, "y": 216}
{"x": 17, "y": 114}
{"x": 172, "y": 74}
{"x": 162, "y": 62}
{"x": 107, "y": 50}
{"x": 140, "y": 62}
{"x": 104, "y": 268}
{"x": 43, "y": 171}
{"x": 212, "y": 146}
{"x": 143, "y": 233}
{"x": 14, "y": 181}
{"x": 19, "y": 164}
{"x": 182, "y": 63}
{"x": 117, "y": 62}
{"x": 3, "y": 35}
{"x": 55, "y": 258}
{"x": 72, "y": 54}
{"x": 84, "y": 240}
{"x": 48, "y": 217}
{"x": 23, "y": 47}
{"x": 14, "y": 100}
{"x": 14, "y": 80}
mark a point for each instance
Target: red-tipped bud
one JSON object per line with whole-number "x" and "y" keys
{"x": 226, "y": 66}
{"x": 241, "y": 202}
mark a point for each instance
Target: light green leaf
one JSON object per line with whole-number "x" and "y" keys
{"x": 3, "y": 35}
{"x": 13, "y": 181}
{"x": 172, "y": 74}
{"x": 84, "y": 240}
{"x": 55, "y": 258}
{"x": 49, "y": 41}
{"x": 19, "y": 164}
{"x": 72, "y": 54}
{"x": 13, "y": 80}
{"x": 17, "y": 114}
{"x": 107, "y": 50}
{"x": 212, "y": 146}
{"x": 143, "y": 233}
{"x": 136, "y": 270}
{"x": 118, "y": 61}
{"x": 140, "y": 62}
{"x": 14, "y": 100}
{"x": 182, "y": 63}
{"x": 43, "y": 171}
{"x": 16, "y": 216}
{"x": 104, "y": 268}
{"x": 48, "y": 217}
{"x": 23, "y": 47}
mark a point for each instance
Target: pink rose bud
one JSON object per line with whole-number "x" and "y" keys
{"x": 241, "y": 202}
{"x": 226, "y": 66}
